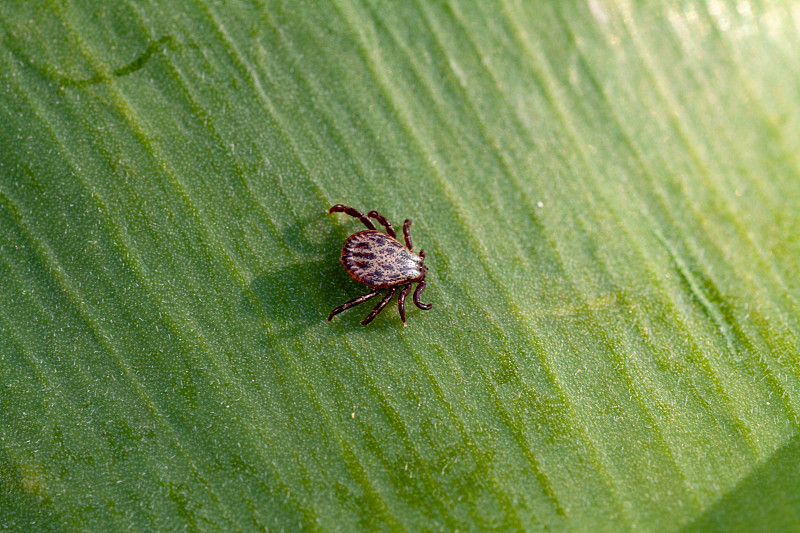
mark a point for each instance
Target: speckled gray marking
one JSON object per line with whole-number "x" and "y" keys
{"x": 387, "y": 263}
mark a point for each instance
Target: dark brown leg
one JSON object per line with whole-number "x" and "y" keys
{"x": 354, "y": 302}
{"x": 401, "y": 302}
{"x": 382, "y": 219}
{"x": 379, "y": 307}
{"x": 420, "y": 288}
{"x": 339, "y": 208}
{"x": 406, "y": 225}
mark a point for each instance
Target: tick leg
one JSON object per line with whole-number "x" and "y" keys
{"x": 379, "y": 307}
{"x": 420, "y": 288}
{"x": 401, "y": 302}
{"x": 339, "y": 208}
{"x": 354, "y": 302}
{"x": 382, "y": 219}
{"x": 406, "y": 225}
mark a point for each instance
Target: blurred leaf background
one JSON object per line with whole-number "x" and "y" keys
{"x": 607, "y": 193}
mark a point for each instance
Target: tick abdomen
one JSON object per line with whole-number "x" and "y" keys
{"x": 379, "y": 261}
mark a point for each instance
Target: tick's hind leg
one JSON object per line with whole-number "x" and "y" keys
{"x": 339, "y": 208}
{"x": 352, "y": 303}
{"x": 379, "y": 307}
{"x": 382, "y": 219}
{"x": 401, "y": 302}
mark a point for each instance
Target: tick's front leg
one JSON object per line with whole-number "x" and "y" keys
{"x": 401, "y": 302}
{"x": 406, "y": 234}
{"x": 420, "y": 288}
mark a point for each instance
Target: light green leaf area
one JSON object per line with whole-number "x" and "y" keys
{"x": 608, "y": 197}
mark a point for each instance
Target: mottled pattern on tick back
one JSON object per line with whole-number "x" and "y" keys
{"x": 379, "y": 261}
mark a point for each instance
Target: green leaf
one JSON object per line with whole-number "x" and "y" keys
{"x": 607, "y": 196}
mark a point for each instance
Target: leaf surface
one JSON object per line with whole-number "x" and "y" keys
{"x": 607, "y": 197}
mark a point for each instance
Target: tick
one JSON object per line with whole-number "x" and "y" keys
{"x": 380, "y": 261}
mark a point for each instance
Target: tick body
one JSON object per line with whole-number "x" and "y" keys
{"x": 379, "y": 261}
